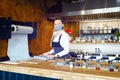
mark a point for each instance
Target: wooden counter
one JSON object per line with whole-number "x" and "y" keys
{"x": 48, "y": 69}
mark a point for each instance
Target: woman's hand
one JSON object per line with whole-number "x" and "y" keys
{"x": 50, "y": 55}
{"x": 46, "y": 54}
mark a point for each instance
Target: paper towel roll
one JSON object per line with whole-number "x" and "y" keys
{"x": 18, "y": 44}
{"x": 21, "y": 29}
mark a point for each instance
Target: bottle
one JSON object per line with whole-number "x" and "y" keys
{"x": 97, "y": 65}
{"x": 55, "y": 59}
{"x": 88, "y": 30}
{"x": 84, "y": 65}
{"x": 110, "y": 66}
{"x": 109, "y": 29}
{"x": 100, "y": 29}
{"x": 105, "y": 29}
{"x": 64, "y": 60}
{"x": 96, "y": 30}
{"x": 71, "y": 64}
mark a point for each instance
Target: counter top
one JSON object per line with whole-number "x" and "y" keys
{"x": 49, "y": 69}
{"x": 95, "y": 43}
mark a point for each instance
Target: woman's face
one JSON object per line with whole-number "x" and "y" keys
{"x": 58, "y": 25}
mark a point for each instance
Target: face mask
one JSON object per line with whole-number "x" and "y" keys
{"x": 57, "y": 28}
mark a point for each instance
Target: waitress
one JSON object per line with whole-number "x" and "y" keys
{"x": 59, "y": 42}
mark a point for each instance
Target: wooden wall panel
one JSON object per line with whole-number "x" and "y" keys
{"x": 74, "y": 27}
{"x": 3, "y": 47}
{"x": 23, "y": 10}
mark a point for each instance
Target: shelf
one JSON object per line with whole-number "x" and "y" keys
{"x": 94, "y": 32}
{"x": 94, "y": 43}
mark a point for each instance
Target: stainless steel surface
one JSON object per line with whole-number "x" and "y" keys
{"x": 85, "y": 12}
{"x": 87, "y": 7}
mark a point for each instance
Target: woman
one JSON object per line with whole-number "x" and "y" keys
{"x": 59, "y": 42}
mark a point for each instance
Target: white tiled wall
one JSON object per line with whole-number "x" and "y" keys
{"x": 104, "y": 47}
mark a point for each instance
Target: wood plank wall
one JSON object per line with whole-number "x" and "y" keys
{"x": 74, "y": 27}
{"x": 24, "y": 10}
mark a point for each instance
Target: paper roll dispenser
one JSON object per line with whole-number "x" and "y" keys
{"x": 6, "y": 29}
{"x": 26, "y": 26}
{"x": 18, "y": 29}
